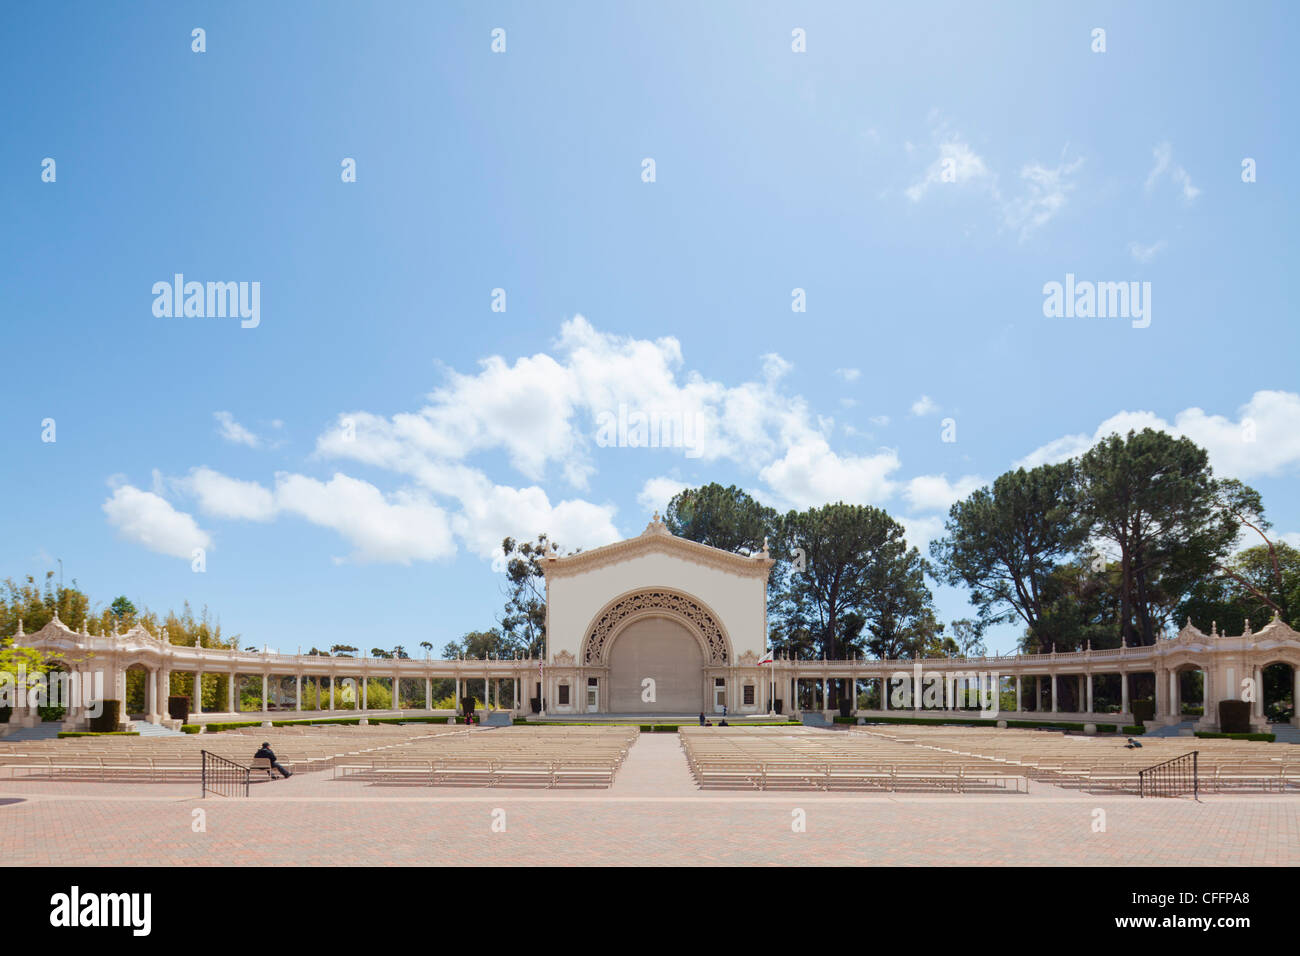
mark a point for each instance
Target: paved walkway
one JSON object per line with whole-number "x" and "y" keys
{"x": 652, "y": 816}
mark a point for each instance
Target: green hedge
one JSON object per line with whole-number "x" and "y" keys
{"x": 1134, "y": 730}
{"x": 218, "y": 728}
{"x": 1265, "y": 738}
{"x": 98, "y": 733}
{"x": 191, "y": 728}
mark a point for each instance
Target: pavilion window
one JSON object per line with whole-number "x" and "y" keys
{"x": 564, "y": 694}
{"x": 749, "y": 695}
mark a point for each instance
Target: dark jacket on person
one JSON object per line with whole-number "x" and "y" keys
{"x": 266, "y": 752}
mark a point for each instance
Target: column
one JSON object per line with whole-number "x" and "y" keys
{"x": 397, "y": 692}
{"x": 1295, "y": 695}
{"x": 1090, "y": 692}
{"x": 297, "y": 692}
{"x": 198, "y": 692}
{"x": 1123, "y": 691}
{"x": 1018, "y": 708}
{"x": 1259, "y": 692}
{"x": 331, "y": 691}
{"x": 826, "y": 694}
{"x": 1054, "y": 692}
{"x": 151, "y": 694}
{"x": 365, "y": 694}
{"x": 1173, "y": 694}
{"x": 428, "y": 694}
{"x": 458, "y": 695}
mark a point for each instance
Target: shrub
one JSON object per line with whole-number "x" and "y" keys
{"x": 4, "y": 714}
{"x": 109, "y": 717}
{"x": 1265, "y": 738}
{"x": 91, "y": 733}
{"x": 1133, "y": 730}
{"x": 178, "y": 708}
{"x": 50, "y": 714}
{"x": 1143, "y": 710}
{"x": 191, "y": 728}
{"x": 1234, "y": 716}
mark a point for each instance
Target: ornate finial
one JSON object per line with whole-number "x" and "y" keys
{"x": 1214, "y": 628}
{"x": 1089, "y": 644}
{"x": 656, "y": 525}
{"x": 56, "y": 615}
{"x": 1276, "y": 615}
{"x": 1123, "y": 640}
{"x": 20, "y": 628}
{"x": 1189, "y": 620}
{"x": 655, "y": 519}
{"x": 1247, "y": 632}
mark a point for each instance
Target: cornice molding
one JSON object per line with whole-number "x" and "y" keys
{"x": 657, "y": 539}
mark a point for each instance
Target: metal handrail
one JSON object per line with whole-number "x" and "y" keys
{"x": 1171, "y": 778}
{"x": 224, "y": 777}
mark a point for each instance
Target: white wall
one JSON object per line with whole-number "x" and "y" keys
{"x": 739, "y": 602}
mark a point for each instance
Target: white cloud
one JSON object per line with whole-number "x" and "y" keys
{"x": 150, "y": 520}
{"x": 657, "y": 492}
{"x": 924, "y": 405}
{"x": 957, "y": 164}
{"x": 881, "y": 420}
{"x": 224, "y": 497}
{"x": 232, "y": 431}
{"x": 937, "y": 493}
{"x": 1045, "y": 195}
{"x": 849, "y": 374}
{"x": 1146, "y": 253}
{"x": 400, "y": 527}
{"x": 921, "y": 531}
{"x": 811, "y": 474}
{"x": 1263, "y": 440}
{"x": 1164, "y": 163}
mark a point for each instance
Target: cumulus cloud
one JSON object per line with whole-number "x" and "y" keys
{"x": 399, "y": 527}
{"x": 937, "y": 493}
{"x": 225, "y": 497}
{"x": 232, "y": 431}
{"x": 924, "y": 405}
{"x": 150, "y": 520}
{"x": 849, "y": 374}
{"x": 657, "y": 492}
{"x": 811, "y": 474}
{"x": 1262, "y": 441}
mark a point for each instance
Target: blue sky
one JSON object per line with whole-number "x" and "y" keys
{"x": 348, "y": 464}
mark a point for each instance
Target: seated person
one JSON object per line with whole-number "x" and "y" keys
{"x": 269, "y": 754}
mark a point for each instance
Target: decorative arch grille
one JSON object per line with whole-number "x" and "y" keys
{"x": 609, "y": 623}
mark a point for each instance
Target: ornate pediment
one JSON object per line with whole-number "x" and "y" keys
{"x": 747, "y": 659}
{"x": 564, "y": 659}
{"x": 657, "y": 539}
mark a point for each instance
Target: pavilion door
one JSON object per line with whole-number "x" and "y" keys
{"x": 593, "y": 696}
{"x": 719, "y": 696}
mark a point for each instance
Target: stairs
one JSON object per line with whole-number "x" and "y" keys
{"x": 147, "y": 729}
{"x": 45, "y": 731}
{"x": 1183, "y": 729}
{"x": 1286, "y": 734}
